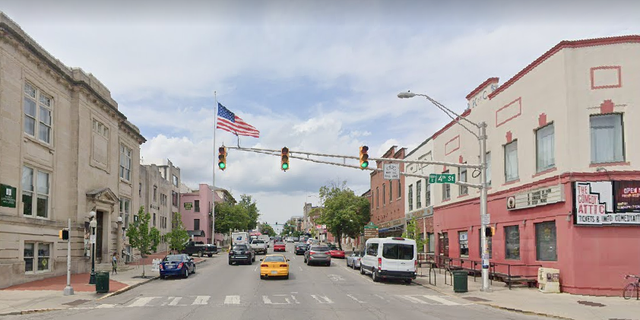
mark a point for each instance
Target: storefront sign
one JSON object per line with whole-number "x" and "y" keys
{"x": 596, "y": 203}
{"x": 428, "y": 211}
{"x": 392, "y": 223}
{"x": 535, "y": 198}
{"x": 7, "y": 196}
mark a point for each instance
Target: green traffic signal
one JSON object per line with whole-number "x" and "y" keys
{"x": 222, "y": 165}
{"x": 364, "y": 165}
{"x": 285, "y": 166}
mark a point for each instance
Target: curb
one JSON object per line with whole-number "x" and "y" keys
{"x": 547, "y": 315}
{"x": 23, "y": 312}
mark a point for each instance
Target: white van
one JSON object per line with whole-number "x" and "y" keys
{"x": 390, "y": 258}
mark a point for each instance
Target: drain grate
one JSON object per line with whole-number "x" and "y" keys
{"x": 591, "y": 304}
{"x": 476, "y": 299}
{"x": 76, "y": 303}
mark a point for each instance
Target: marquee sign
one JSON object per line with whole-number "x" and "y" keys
{"x": 607, "y": 203}
{"x": 535, "y": 198}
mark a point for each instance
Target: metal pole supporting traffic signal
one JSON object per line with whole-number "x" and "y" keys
{"x": 364, "y": 157}
{"x": 284, "y": 163}
{"x": 222, "y": 158}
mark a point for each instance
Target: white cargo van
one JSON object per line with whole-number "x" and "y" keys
{"x": 390, "y": 258}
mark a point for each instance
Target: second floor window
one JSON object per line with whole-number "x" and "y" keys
{"x": 511, "y": 161}
{"x": 125, "y": 162}
{"x": 418, "y": 194}
{"x": 390, "y": 191}
{"x": 35, "y": 193}
{"x": 37, "y": 113}
{"x": 399, "y": 189}
{"x": 410, "y": 197}
{"x": 427, "y": 199}
{"x": 174, "y": 198}
{"x": 197, "y": 206}
{"x": 446, "y": 189}
{"x": 545, "y": 152}
{"x": 384, "y": 192}
{"x": 464, "y": 190}
{"x": 607, "y": 143}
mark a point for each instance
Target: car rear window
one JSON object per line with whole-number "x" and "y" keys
{"x": 397, "y": 251}
{"x": 173, "y": 258}
{"x": 279, "y": 243}
{"x": 320, "y": 248}
{"x": 239, "y": 247}
{"x": 274, "y": 259}
{"x": 258, "y": 241}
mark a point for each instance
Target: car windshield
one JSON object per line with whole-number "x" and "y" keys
{"x": 174, "y": 257}
{"x": 320, "y": 248}
{"x": 240, "y": 247}
{"x": 397, "y": 251}
{"x": 274, "y": 259}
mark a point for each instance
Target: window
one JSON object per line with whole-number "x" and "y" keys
{"x": 410, "y": 197}
{"x": 427, "y": 198}
{"x": 399, "y": 189}
{"x": 446, "y": 189}
{"x": 418, "y": 194}
{"x": 384, "y": 192}
{"x": 512, "y": 242}
{"x": 174, "y": 198}
{"x": 125, "y": 162}
{"x": 174, "y": 180}
{"x": 462, "y": 175}
{"x": 155, "y": 193}
{"x": 545, "y": 154}
{"x": 463, "y": 240}
{"x": 377, "y": 197}
{"x": 140, "y": 189}
{"x": 489, "y": 245}
{"x": 37, "y": 113}
{"x": 390, "y": 191}
{"x": 372, "y": 249}
{"x": 397, "y": 251}
{"x": 607, "y": 143}
{"x": 197, "y": 206}
{"x": 154, "y": 219}
{"x": 125, "y": 209}
{"x": 36, "y": 257}
{"x": 35, "y": 193}
{"x": 432, "y": 242}
{"x": 546, "y": 241}
{"x": 511, "y": 161}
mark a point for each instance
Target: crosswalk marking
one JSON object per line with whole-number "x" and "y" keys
{"x": 141, "y": 302}
{"x": 354, "y": 298}
{"x": 442, "y": 300}
{"x": 321, "y": 299}
{"x": 412, "y": 299}
{"x": 232, "y": 300}
{"x": 174, "y": 301}
{"x": 201, "y": 300}
{"x": 105, "y": 306}
{"x": 381, "y": 297}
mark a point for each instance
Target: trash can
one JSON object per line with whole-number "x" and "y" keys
{"x": 102, "y": 282}
{"x": 460, "y": 281}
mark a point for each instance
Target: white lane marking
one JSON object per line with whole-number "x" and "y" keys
{"x": 201, "y": 300}
{"x": 381, "y": 297}
{"x": 322, "y": 299}
{"x": 105, "y": 306}
{"x": 294, "y": 299}
{"x": 412, "y": 299}
{"x": 335, "y": 277}
{"x": 354, "y": 298}
{"x": 300, "y": 268}
{"x": 141, "y": 302}
{"x": 442, "y": 300}
{"x": 266, "y": 300}
{"x": 255, "y": 269}
{"x": 232, "y": 300}
{"x": 174, "y": 301}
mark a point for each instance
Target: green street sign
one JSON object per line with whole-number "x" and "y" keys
{"x": 7, "y": 196}
{"x": 442, "y": 178}
{"x": 370, "y": 226}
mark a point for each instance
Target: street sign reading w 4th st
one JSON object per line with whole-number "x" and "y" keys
{"x": 442, "y": 178}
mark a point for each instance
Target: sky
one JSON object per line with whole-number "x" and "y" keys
{"x": 315, "y": 76}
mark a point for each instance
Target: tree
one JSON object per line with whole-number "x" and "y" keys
{"x": 344, "y": 213}
{"x": 266, "y": 229}
{"x": 142, "y": 237}
{"x": 413, "y": 232}
{"x": 251, "y": 210}
{"x": 236, "y": 216}
{"x": 178, "y": 236}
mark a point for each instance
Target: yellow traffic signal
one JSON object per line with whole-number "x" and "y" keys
{"x": 364, "y": 157}
{"x": 284, "y": 163}
{"x": 222, "y": 158}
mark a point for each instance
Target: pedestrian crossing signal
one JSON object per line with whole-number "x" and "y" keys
{"x": 63, "y": 234}
{"x": 489, "y": 231}
{"x": 222, "y": 158}
{"x": 364, "y": 157}
{"x": 284, "y": 163}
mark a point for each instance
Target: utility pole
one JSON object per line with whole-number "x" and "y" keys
{"x": 68, "y": 290}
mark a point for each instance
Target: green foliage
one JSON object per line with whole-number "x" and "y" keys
{"x": 344, "y": 213}
{"x": 267, "y": 229}
{"x": 178, "y": 236}
{"x": 413, "y": 232}
{"x": 236, "y": 216}
{"x": 142, "y": 237}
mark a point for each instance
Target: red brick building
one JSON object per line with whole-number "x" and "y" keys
{"x": 387, "y": 203}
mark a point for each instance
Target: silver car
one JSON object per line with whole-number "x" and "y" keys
{"x": 353, "y": 260}
{"x": 318, "y": 255}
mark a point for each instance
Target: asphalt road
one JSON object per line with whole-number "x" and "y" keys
{"x": 220, "y": 291}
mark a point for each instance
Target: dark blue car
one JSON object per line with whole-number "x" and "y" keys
{"x": 177, "y": 265}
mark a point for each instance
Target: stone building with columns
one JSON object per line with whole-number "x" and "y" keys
{"x": 66, "y": 150}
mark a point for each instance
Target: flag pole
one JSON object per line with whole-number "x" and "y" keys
{"x": 213, "y": 209}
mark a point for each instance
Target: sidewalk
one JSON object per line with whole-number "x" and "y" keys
{"x": 531, "y": 301}
{"x": 47, "y": 294}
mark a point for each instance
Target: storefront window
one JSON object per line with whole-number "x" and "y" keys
{"x": 546, "y": 241}
{"x": 464, "y": 243}
{"x": 432, "y": 243}
{"x": 512, "y": 242}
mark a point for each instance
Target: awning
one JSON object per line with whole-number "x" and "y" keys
{"x": 195, "y": 233}
{"x": 399, "y": 227}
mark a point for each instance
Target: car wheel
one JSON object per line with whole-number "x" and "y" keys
{"x": 374, "y": 276}
{"x": 162, "y": 277}
{"x": 186, "y": 273}
{"x": 230, "y": 263}
{"x": 200, "y": 254}
{"x": 407, "y": 281}
{"x": 209, "y": 255}
{"x": 286, "y": 277}
{"x": 361, "y": 270}
{"x": 261, "y": 277}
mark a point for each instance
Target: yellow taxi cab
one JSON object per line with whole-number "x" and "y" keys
{"x": 274, "y": 265}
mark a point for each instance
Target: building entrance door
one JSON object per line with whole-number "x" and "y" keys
{"x": 443, "y": 244}
{"x": 99, "y": 219}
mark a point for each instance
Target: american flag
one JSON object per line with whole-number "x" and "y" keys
{"x": 228, "y": 121}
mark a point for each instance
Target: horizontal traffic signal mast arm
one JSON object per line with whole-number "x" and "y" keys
{"x": 277, "y": 152}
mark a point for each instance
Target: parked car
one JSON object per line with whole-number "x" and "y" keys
{"x": 177, "y": 265}
{"x": 274, "y": 265}
{"x": 241, "y": 253}
{"x": 318, "y": 254}
{"x": 279, "y": 246}
{"x": 199, "y": 248}
{"x": 301, "y": 248}
{"x": 258, "y": 246}
{"x": 335, "y": 252}
{"x": 353, "y": 260}
{"x": 390, "y": 258}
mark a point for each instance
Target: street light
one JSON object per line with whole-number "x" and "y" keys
{"x": 482, "y": 140}
{"x": 93, "y": 224}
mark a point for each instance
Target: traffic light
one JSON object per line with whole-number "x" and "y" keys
{"x": 364, "y": 157}
{"x": 222, "y": 158}
{"x": 63, "y": 234}
{"x": 284, "y": 164}
{"x": 489, "y": 231}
